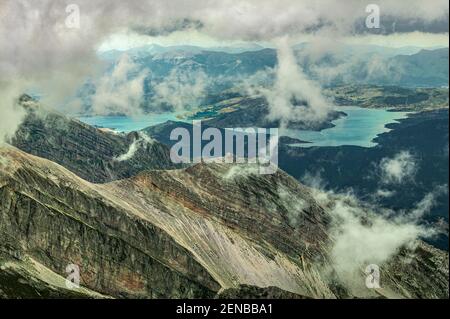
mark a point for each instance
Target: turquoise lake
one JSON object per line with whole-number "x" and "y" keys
{"x": 128, "y": 124}
{"x": 358, "y": 128}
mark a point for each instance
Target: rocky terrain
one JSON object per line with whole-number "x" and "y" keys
{"x": 91, "y": 153}
{"x": 186, "y": 233}
{"x": 138, "y": 227}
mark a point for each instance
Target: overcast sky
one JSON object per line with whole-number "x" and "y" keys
{"x": 40, "y": 49}
{"x": 34, "y": 34}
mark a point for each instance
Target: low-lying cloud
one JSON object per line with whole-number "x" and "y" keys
{"x": 180, "y": 90}
{"x": 12, "y": 113}
{"x": 121, "y": 91}
{"x": 363, "y": 237}
{"x": 138, "y": 143}
{"x": 292, "y": 97}
{"x": 402, "y": 167}
{"x": 366, "y": 233}
{"x": 55, "y": 59}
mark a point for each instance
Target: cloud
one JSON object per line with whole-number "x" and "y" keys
{"x": 241, "y": 171}
{"x": 268, "y": 20}
{"x": 293, "y": 97}
{"x": 40, "y": 54}
{"x": 427, "y": 203}
{"x": 400, "y": 168}
{"x": 315, "y": 180}
{"x": 364, "y": 233}
{"x": 363, "y": 237}
{"x": 12, "y": 114}
{"x": 122, "y": 91}
{"x": 141, "y": 141}
{"x": 170, "y": 27}
{"x": 295, "y": 206}
{"x": 384, "y": 193}
{"x": 181, "y": 90}
{"x": 37, "y": 45}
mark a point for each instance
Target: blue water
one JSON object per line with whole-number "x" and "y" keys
{"x": 358, "y": 128}
{"x": 128, "y": 124}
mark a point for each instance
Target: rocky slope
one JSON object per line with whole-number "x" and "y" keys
{"x": 194, "y": 232}
{"x": 52, "y": 217}
{"x": 93, "y": 154}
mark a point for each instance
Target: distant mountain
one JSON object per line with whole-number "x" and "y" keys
{"x": 153, "y": 49}
{"x": 389, "y": 97}
{"x": 425, "y": 68}
{"x": 355, "y": 64}
{"x": 404, "y": 67}
{"x": 213, "y": 63}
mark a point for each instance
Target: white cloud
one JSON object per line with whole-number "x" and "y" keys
{"x": 11, "y": 114}
{"x": 400, "y": 168}
{"x": 241, "y": 171}
{"x": 362, "y": 237}
{"x": 425, "y": 205}
{"x": 295, "y": 205}
{"x": 384, "y": 193}
{"x": 363, "y": 234}
{"x": 292, "y": 87}
{"x": 122, "y": 91}
{"x": 181, "y": 89}
{"x": 56, "y": 60}
{"x": 141, "y": 141}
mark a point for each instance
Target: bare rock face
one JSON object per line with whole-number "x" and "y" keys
{"x": 200, "y": 232}
{"x": 52, "y": 217}
{"x": 91, "y": 153}
{"x": 430, "y": 268}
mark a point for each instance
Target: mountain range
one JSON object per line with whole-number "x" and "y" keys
{"x": 411, "y": 67}
{"x": 203, "y": 231}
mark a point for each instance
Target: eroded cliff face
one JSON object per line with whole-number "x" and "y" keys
{"x": 195, "y": 232}
{"x": 239, "y": 237}
{"x": 55, "y": 218}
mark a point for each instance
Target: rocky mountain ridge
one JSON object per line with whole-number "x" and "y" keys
{"x": 186, "y": 233}
{"x": 94, "y": 154}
